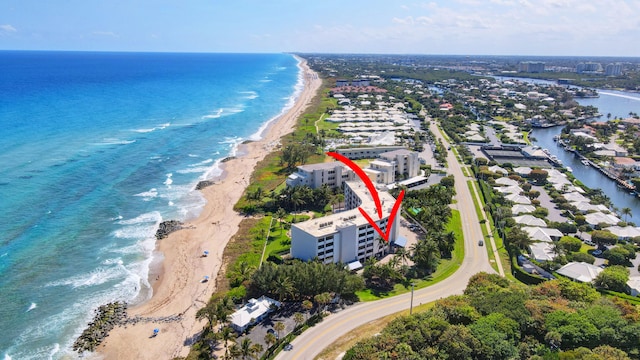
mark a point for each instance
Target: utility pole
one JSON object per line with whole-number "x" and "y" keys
{"x": 411, "y": 305}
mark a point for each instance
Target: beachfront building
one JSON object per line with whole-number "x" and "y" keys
{"x": 332, "y": 174}
{"x": 346, "y": 237}
{"x": 254, "y": 311}
{"x": 406, "y": 162}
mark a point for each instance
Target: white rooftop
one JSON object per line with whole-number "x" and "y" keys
{"x": 580, "y": 271}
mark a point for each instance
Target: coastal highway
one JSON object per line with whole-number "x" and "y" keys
{"x": 310, "y": 343}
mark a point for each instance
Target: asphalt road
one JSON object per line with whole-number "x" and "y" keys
{"x": 308, "y": 345}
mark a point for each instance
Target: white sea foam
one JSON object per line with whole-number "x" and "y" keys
{"x": 291, "y": 100}
{"x": 148, "y": 130}
{"x": 148, "y": 195}
{"x": 98, "y": 276}
{"x": 7, "y": 357}
{"x": 32, "y": 306}
{"x": 119, "y": 217}
{"x": 250, "y": 94}
{"x": 150, "y": 217}
{"x": 55, "y": 350}
{"x": 193, "y": 170}
{"x": 265, "y": 80}
{"x": 114, "y": 141}
{"x": 169, "y": 180}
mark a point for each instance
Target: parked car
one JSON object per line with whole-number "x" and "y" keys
{"x": 288, "y": 347}
{"x": 597, "y": 252}
{"x": 480, "y": 243}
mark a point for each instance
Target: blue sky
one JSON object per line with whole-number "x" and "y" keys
{"x": 469, "y": 27}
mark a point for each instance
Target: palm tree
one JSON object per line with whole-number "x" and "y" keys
{"x": 278, "y": 327}
{"x": 322, "y": 300}
{"x": 297, "y": 201}
{"x": 226, "y": 335}
{"x": 298, "y": 318}
{"x": 256, "y": 349}
{"x": 425, "y": 254}
{"x": 518, "y": 238}
{"x": 245, "y": 348}
{"x": 270, "y": 339}
{"x": 403, "y": 255}
{"x": 208, "y": 312}
{"x": 307, "y": 305}
{"x": 280, "y": 214}
{"x": 283, "y": 286}
{"x": 626, "y": 212}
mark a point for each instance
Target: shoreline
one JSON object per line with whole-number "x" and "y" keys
{"x": 177, "y": 282}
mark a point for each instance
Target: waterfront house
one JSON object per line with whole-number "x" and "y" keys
{"x": 596, "y": 218}
{"x": 505, "y": 181}
{"x": 254, "y": 311}
{"x": 624, "y": 233}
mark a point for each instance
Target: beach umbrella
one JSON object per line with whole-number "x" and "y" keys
{"x": 156, "y": 331}
{"x": 206, "y": 278}
{"x": 206, "y": 252}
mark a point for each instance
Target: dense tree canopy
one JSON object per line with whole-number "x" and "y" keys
{"x": 496, "y": 319}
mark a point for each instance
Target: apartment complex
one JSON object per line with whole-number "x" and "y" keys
{"x": 531, "y": 67}
{"x": 393, "y": 163}
{"x": 346, "y": 236}
{"x": 332, "y": 174}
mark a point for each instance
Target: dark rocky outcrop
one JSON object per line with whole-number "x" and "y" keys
{"x": 167, "y": 227}
{"x": 203, "y": 184}
{"x": 227, "y": 159}
{"x": 107, "y": 316}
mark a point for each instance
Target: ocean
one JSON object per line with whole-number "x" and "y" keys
{"x": 96, "y": 149}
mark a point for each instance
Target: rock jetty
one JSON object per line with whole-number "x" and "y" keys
{"x": 167, "y": 227}
{"x": 107, "y": 316}
{"x": 204, "y": 183}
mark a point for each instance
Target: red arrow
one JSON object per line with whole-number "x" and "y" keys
{"x": 374, "y": 194}
{"x": 392, "y": 215}
{"x": 363, "y": 176}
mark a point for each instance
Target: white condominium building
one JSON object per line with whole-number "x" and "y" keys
{"x": 332, "y": 174}
{"x": 346, "y": 236}
{"x": 406, "y": 161}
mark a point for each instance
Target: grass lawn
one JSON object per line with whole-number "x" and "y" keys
{"x": 446, "y": 267}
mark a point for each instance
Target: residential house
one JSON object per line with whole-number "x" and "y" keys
{"x": 254, "y": 311}
{"x": 580, "y": 271}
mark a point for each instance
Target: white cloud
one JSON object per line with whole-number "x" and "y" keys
{"x": 7, "y": 28}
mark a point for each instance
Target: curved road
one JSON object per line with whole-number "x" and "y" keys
{"x": 310, "y": 343}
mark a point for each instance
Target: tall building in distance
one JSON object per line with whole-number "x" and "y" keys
{"x": 613, "y": 69}
{"x": 588, "y": 67}
{"x": 531, "y": 67}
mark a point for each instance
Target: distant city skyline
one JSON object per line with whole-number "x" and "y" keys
{"x": 451, "y": 27}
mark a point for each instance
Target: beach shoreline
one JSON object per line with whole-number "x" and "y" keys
{"x": 178, "y": 282}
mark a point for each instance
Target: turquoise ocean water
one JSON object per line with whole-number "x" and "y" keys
{"x": 96, "y": 149}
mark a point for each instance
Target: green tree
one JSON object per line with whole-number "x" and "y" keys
{"x": 425, "y": 255}
{"x": 570, "y": 244}
{"x": 280, "y": 215}
{"x": 626, "y": 212}
{"x": 278, "y": 327}
{"x": 613, "y": 278}
{"x": 270, "y": 339}
{"x": 298, "y": 318}
{"x": 603, "y": 237}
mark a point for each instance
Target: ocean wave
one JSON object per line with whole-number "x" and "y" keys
{"x": 148, "y": 195}
{"x": 32, "y": 306}
{"x": 265, "y": 80}
{"x": 98, "y": 276}
{"x": 169, "y": 180}
{"x": 153, "y": 216}
{"x": 193, "y": 170}
{"x": 158, "y": 127}
{"x": 291, "y": 100}
{"x": 114, "y": 141}
{"x": 250, "y": 94}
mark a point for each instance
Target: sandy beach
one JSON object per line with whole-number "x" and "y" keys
{"x": 178, "y": 288}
